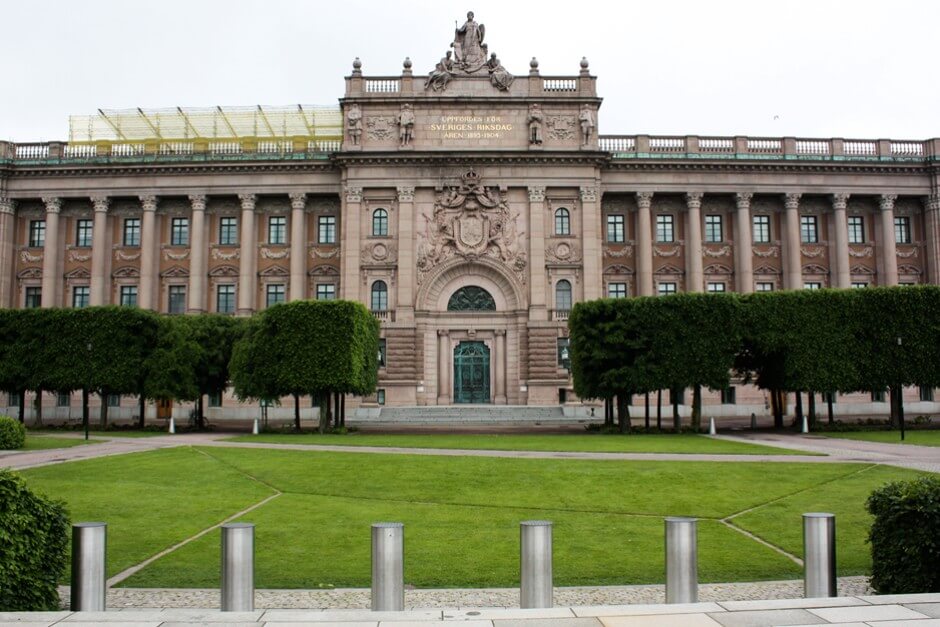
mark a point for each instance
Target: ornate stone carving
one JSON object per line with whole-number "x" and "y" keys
{"x": 223, "y": 271}
{"x": 907, "y": 254}
{"x": 381, "y": 252}
{"x": 867, "y": 251}
{"x": 7, "y": 205}
{"x": 53, "y": 205}
{"x": 380, "y": 127}
{"x": 406, "y": 125}
{"x": 442, "y": 73}
{"x": 148, "y": 202}
{"x": 932, "y": 202}
{"x": 535, "y": 120}
{"x": 100, "y": 203}
{"x": 660, "y": 251}
{"x": 180, "y": 256}
{"x": 588, "y": 194}
{"x": 500, "y": 78}
{"x": 536, "y": 194}
{"x": 743, "y": 200}
{"x": 561, "y": 127}
{"x": 840, "y": 201}
{"x": 76, "y": 256}
{"x": 267, "y": 253}
{"x": 723, "y": 251}
{"x": 792, "y": 201}
{"x": 353, "y": 194}
{"x": 644, "y": 199}
{"x": 126, "y": 272}
{"x": 354, "y": 124}
{"x": 626, "y": 251}
{"x": 886, "y": 201}
{"x": 28, "y": 257}
{"x": 586, "y": 118}
{"x": 406, "y": 193}
{"x": 30, "y": 273}
{"x": 316, "y": 253}
{"x": 298, "y": 201}
{"x": 248, "y": 201}
{"x": 771, "y": 251}
{"x": 120, "y": 255}
{"x": 469, "y": 49}
{"x": 218, "y": 255}
{"x": 471, "y": 221}
{"x": 324, "y": 271}
{"x": 197, "y": 202}
{"x": 564, "y": 252}
{"x": 812, "y": 252}
{"x": 693, "y": 200}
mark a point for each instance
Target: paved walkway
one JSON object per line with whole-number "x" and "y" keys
{"x": 918, "y": 610}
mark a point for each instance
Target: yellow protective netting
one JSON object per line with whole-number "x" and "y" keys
{"x": 225, "y": 123}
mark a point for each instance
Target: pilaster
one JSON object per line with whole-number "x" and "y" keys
{"x": 148, "y": 249}
{"x": 840, "y": 254}
{"x": 298, "y": 252}
{"x": 793, "y": 269}
{"x": 247, "y": 270}
{"x": 51, "y": 275}
{"x": 537, "y": 296}
{"x": 693, "y": 249}
{"x": 932, "y": 221}
{"x": 593, "y": 281}
{"x": 99, "y": 278}
{"x": 644, "y": 243}
{"x": 198, "y": 271}
{"x": 889, "y": 253}
{"x": 7, "y": 261}
{"x": 405, "y": 311}
{"x": 349, "y": 227}
{"x": 742, "y": 243}
{"x": 443, "y": 367}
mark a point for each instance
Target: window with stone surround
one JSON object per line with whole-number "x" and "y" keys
{"x": 63, "y": 399}
{"x": 131, "y": 232}
{"x": 926, "y": 394}
{"x": 665, "y": 228}
{"x": 715, "y": 288}
{"x": 225, "y": 298}
{"x": 228, "y": 231}
{"x": 37, "y": 233}
{"x": 812, "y": 285}
{"x": 379, "y": 300}
{"x": 33, "y": 297}
{"x": 714, "y": 232}
{"x": 277, "y": 230}
{"x": 128, "y": 296}
{"x": 809, "y": 232}
{"x": 176, "y": 301}
{"x": 902, "y": 230}
{"x": 83, "y": 233}
{"x": 859, "y": 284}
{"x": 761, "y": 229}
{"x": 380, "y": 223}
{"x": 80, "y": 296}
{"x": 274, "y": 294}
{"x": 326, "y": 291}
{"x": 563, "y": 295}
{"x": 615, "y": 232}
{"x": 666, "y": 288}
{"x": 616, "y": 290}
{"x": 326, "y": 230}
{"x": 729, "y": 395}
{"x": 179, "y": 232}
{"x": 856, "y": 230}
{"x": 564, "y": 352}
{"x": 383, "y": 352}
{"x": 765, "y": 286}
{"x": 562, "y": 221}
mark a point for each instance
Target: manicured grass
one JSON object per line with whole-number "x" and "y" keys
{"x": 587, "y": 442}
{"x": 40, "y": 442}
{"x": 922, "y": 438}
{"x": 461, "y": 513}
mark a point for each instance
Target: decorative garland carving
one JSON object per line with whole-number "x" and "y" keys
{"x": 28, "y": 257}
{"x": 724, "y": 251}
{"x": 380, "y": 252}
{"x": 123, "y": 256}
{"x": 626, "y": 251}
{"x": 76, "y": 256}
{"x": 316, "y": 253}
{"x": 218, "y": 255}
{"x": 907, "y": 255}
{"x": 812, "y": 252}
{"x": 171, "y": 256}
{"x": 773, "y": 251}
{"x": 864, "y": 252}
{"x": 564, "y": 252}
{"x": 663, "y": 252}
{"x": 267, "y": 253}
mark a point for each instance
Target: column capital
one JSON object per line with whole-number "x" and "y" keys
{"x": 932, "y": 202}
{"x": 406, "y": 193}
{"x": 148, "y": 202}
{"x": 588, "y": 194}
{"x": 53, "y": 204}
{"x": 353, "y": 193}
{"x": 743, "y": 199}
{"x": 100, "y": 203}
{"x": 499, "y": 332}
{"x": 693, "y": 200}
{"x": 298, "y": 201}
{"x": 7, "y": 205}
{"x": 839, "y": 201}
{"x": 248, "y": 201}
{"x": 537, "y": 193}
{"x": 644, "y": 199}
{"x": 792, "y": 200}
{"x": 443, "y": 332}
{"x": 886, "y": 202}
{"x": 197, "y": 202}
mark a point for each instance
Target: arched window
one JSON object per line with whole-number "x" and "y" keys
{"x": 379, "y": 223}
{"x": 563, "y": 295}
{"x": 562, "y": 222}
{"x": 471, "y": 298}
{"x": 379, "y": 296}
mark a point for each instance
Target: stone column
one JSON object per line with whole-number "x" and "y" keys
{"x": 593, "y": 281}
{"x": 247, "y": 272}
{"x": 793, "y": 270}
{"x": 745, "y": 256}
{"x": 644, "y": 244}
{"x": 406, "y": 254}
{"x": 298, "y": 248}
{"x": 839, "y": 256}
{"x": 7, "y": 260}
{"x": 537, "y": 297}
{"x": 99, "y": 253}
{"x": 500, "y": 366}
{"x": 443, "y": 367}
{"x": 932, "y": 215}
{"x": 51, "y": 277}
{"x": 693, "y": 248}
{"x": 148, "y": 249}
{"x": 349, "y": 228}
{"x": 198, "y": 271}
{"x": 889, "y": 253}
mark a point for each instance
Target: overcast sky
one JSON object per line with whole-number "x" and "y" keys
{"x": 816, "y": 68}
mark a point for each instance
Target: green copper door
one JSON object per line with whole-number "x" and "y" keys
{"x": 471, "y": 373}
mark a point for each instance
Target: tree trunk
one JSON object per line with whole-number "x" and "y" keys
{"x": 85, "y": 409}
{"x": 296, "y": 412}
{"x": 696, "y": 408}
{"x": 646, "y": 415}
{"x": 324, "y": 404}
{"x": 37, "y": 404}
{"x": 22, "y": 408}
{"x": 799, "y": 409}
{"x": 200, "y": 412}
{"x": 142, "y": 419}
{"x": 812, "y": 408}
{"x": 780, "y": 407}
{"x": 899, "y": 404}
{"x": 829, "y": 406}
{"x": 336, "y": 410}
{"x": 659, "y": 410}
{"x": 623, "y": 412}
{"x": 342, "y": 410}
{"x": 676, "y": 418}
{"x": 895, "y": 406}
{"x": 103, "y": 413}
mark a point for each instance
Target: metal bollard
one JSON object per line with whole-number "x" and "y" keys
{"x": 819, "y": 555}
{"x": 536, "y": 564}
{"x": 681, "y": 560}
{"x": 254, "y": 427}
{"x": 172, "y": 428}
{"x": 711, "y": 427}
{"x": 238, "y": 567}
{"x": 388, "y": 567}
{"x": 805, "y": 427}
{"x": 89, "y": 581}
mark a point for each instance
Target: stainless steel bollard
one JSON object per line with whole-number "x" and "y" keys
{"x": 89, "y": 576}
{"x": 535, "y": 542}
{"x": 681, "y": 560}
{"x": 819, "y": 555}
{"x": 388, "y": 567}
{"x": 238, "y": 567}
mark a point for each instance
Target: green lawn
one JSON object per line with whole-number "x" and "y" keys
{"x": 461, "y": 513}
{"x": 587, "y": 442}
{"x": 923, "y": 438}
{"x": 40, "y": 442}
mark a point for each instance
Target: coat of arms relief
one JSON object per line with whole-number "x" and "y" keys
{"x": 471, "y": 221}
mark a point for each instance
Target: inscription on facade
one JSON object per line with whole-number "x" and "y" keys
{"x": 469, "y": 127}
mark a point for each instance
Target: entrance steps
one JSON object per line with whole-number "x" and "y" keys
{"x": 470, "y": 414}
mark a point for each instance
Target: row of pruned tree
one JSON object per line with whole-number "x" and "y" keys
{"x": 307, "y": 347}
{"x": 793, "y": 341}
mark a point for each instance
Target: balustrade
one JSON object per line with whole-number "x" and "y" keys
{"x": 559, "y": 84}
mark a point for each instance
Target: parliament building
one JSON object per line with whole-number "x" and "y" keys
{"x": 467, "y": 206}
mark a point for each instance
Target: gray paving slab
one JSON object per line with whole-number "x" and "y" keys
{"x": 776, "y": 604}
{"x": 493, "y": 613}
{"x": 193, "y": 623}
{"x": 765, "y": 618}
{"x": 209, "y": 616}
{"x": 274, "y": 616}
{"x": 424, "y": 623}
{"x": 928, "y": 622}
{"x": 891, "y": 599}
{"x": 111, "y": 616}
{"x": 111, "y": 623}
{"x": 867, "y": 613}
{"x": 39, "y": 617}
{"x": 368, "y": 623}
{"x": 542, "y": 622}
{"x": 26, "y": 623}
{"x": 662, "y": 620}
{"x": 928, "y": 609}
{"x": 644, "y": 610}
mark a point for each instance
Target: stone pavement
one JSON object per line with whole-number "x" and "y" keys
{"x": 916, "y": 610}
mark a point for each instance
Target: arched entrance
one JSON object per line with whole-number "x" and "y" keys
{"x": 471, "y": 373}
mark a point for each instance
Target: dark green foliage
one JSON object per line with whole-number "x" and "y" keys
{"x": 169, "y": 370}
{"x": 33, "y": 545}
{"x": 12, "y": 434}
{"x": 905, "y": 546}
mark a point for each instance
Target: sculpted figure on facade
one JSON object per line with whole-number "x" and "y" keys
{"x": 535, "y": 125}
{"x": 586, "y": 117}
{"x": 499, "y": 77}
{"x": 469, "y": 49}
{"x": 444, "y": 71}
{"x": 354, "y": 124}
{"x": 406, "y": 125}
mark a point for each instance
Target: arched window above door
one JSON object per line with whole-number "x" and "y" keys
{"x": 471, "y": 298}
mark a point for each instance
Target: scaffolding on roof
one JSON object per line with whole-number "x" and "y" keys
{"x": 321, "y": 123}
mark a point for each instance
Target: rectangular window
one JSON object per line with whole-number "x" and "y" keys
{"x": 664, "y": 289}
{"x": 128, "y": 296}
{"x": 13, "y": 399}
{"x": 878, "y": 396}
{"x": 715, "y": 288}
{"x": 665, "y": 228}
{"x": 225, "y": 299}
{"x": 677, "y": 397}
{"x": 277, "y": 230}
{"x": 859, "y": 284}
{"x": 274, "y": 294}
{"x": 131, "y": 231}
{"x": 114, "y": 400}
{"x": 177, "y": 299}
{"x": 228, "y": 231}
{"x": 37, "y": 233}
{"x": 33, "y": 297}
{"x": 616, "y": 290}
{"x": 765, "y": 286}
{"x": 729, "y": 396}
{"x": 926, "y": 394}
{"x": 856, "y": 230}
{"x": 615, "y": 232}
{"x": 761, "y": 229}
{"x": 809, "y": 234}
{"x": 383, "y": 353}
{"x": 80, "y": 296}
{"x": 63, "y": 400}
{"x": 713, "y": 230}
{"x": 179, "y": 232}
{"x": 902, "y": 230}
{"x": 326, "y": 291}
{"x": 564, "y": 352}
{"x": 380, "y": 396}
{"x": 215, "y": 399}
{"x": 812, "y": 286}
{"x": 83, "y": 233}
{"x": 326, "y": 233}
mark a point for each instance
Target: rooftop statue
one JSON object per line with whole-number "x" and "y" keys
{"x": 469, "y": 57}
{"x": 468, "y": 45}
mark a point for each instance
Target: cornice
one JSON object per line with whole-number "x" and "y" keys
{"x": 584, "y": 157}
{"x": 150, "y": 169}
{"x": 803, "y": 167}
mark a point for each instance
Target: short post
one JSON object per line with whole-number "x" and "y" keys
{"x": 535, "y": 564}
{"x": 819, "y": 555}
{"x": 254, "y": 427}
{"x": 238, "y": 567}
{"x": 805, "y": 427}
{"x": 681, "y": 560}
{"x": 388, "y": 567}
{"x": 89, "y": 581}
{"x": 172, "y": 428}
{"x": 711, "y": 427}
{"x": 753, "y": 421}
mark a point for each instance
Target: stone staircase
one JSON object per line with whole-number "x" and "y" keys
{"x": 469, "y": 414}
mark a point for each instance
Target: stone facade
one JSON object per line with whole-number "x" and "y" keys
{"x": 471, "y": 178}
